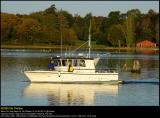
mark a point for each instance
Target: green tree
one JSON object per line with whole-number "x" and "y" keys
{"x": 28, "y": 30}
{"x": 87, "y": 19}
{"x": 115, "y": 35}
{"x": 130, "y": 35}
{"x": 148, "y": 26}
{"x": 69, "y": 36}
{"x": 51, "y": 10}
{"x": 49, "y": 25}
{"x": 114, "y": 17}
{"x": 8, "y": 27}
{"x": 157, "y": 29}
{"x": 78, "y": 27}
{"x": 63, "y": 25}
{"x": 69, "y": 18}
{"x": 131, "y": 27}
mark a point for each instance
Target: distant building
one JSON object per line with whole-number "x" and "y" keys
{"x": 145, "y": 44}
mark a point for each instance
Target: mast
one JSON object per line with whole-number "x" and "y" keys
{"x": 89, "y": 41}
{"x": 61, "y": 44}
{"x": 61, "y": 29}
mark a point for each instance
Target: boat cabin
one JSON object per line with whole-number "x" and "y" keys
{"x": 79, "y": 64}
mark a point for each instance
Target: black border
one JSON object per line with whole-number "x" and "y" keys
{"x": 79, "y": 0}
{"x": 99, "y": 111}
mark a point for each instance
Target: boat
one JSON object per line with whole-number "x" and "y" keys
{"x": 84, "y": 70}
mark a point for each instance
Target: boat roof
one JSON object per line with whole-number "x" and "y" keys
{"x": 73, "y": 58}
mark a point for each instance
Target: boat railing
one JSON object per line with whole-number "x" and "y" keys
{"x": 109, "y": 70}
{"x": 26, "y": 68}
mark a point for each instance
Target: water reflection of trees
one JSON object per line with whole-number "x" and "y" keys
{"x": 149, "y": 64}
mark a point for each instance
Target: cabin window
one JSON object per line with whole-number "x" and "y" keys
{"x": 64, "y": 62}
{"x": 69, "y": 62}
{"x": 57, "y": 62}
{"x": 82, "y": 63}
{"x": 75, "y": 62}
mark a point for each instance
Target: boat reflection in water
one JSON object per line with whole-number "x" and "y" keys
{"x": 69, "y": 94}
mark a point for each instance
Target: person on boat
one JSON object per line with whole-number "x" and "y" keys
{"x": 51, "y": 65}
{"x": 70, "y": 69}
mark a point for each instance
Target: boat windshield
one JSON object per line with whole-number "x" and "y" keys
{"x": 64, "y": 62}
{"x": 57, "y": 62}
{"x": 67, "y": 62}
{"x": 82, "y": 63}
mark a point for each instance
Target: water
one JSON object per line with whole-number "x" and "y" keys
{"x": 16, "y": 90}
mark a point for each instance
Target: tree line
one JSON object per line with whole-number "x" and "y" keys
{"x": 50, "y": 25}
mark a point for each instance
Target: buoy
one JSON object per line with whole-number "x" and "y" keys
{"x": 136, "y": 67}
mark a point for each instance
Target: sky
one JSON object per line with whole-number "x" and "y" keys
{"x": 97, "y": 8}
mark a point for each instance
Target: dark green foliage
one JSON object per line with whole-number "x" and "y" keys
{"x": 46, "y": 27}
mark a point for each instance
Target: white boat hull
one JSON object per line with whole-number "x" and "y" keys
{"x": 70, "y": 77}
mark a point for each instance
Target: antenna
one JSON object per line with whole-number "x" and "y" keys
{"x": 89, "y": 40}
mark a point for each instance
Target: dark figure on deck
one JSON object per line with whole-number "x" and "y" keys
{"x": 51, "y": 65}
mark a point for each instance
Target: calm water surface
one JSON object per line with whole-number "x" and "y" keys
{"x": 16, "y": 90}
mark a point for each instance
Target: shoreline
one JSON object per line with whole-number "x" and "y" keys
{"x": 57, "y": 47}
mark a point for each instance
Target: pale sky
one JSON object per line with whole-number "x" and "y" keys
{"x": 97, "y": 8}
